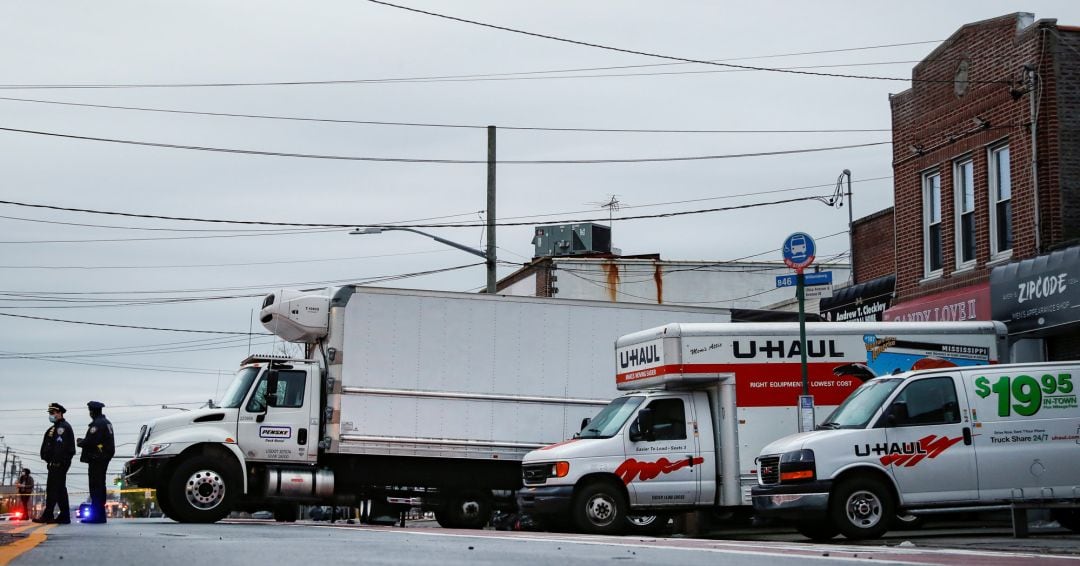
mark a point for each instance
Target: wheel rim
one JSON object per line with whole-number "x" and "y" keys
{"x": 642, "y": 520}
{"x": 600, "y": 509}
{"x": 864, "y": 509}
{"x": 470, "y": 510}
{"x": 205, "y": 489}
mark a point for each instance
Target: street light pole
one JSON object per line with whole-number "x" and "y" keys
{"x": 489, "y": 256}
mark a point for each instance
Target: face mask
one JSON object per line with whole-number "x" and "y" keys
{"x": 52, "y": 418}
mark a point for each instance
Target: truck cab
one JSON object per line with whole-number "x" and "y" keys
{"x": 932, "y": 440}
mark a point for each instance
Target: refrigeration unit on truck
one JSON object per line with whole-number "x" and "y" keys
{"x": 402, "y": 395}
{"x": 703, "y": 399}
{"x": 940, "y": 440}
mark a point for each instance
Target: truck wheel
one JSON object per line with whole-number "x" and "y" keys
{"x": 287, "y": 513}
{"x": 820, "y": 531}
{"x": 861, "y": 508}
{"x": 600, "y": 508}
{"x": 1067, "y": 518}
{"x": 465, "y": 511}
{"x": 649, "y": 525}
{"x": 201, "y": 490}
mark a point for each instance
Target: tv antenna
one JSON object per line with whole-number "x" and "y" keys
{"x": 612, "y": 204}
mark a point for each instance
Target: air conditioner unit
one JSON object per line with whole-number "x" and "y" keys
{"x": 571, "y": 239}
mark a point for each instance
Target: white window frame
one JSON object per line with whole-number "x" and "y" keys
{"x": 959, "y": 213}
{"x": 925, "y": 182}
{"x": 991, "y": 164}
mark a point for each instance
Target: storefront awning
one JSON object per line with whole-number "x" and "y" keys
{"x": 865, "y": 301}
{"x": 1036, "y": 294}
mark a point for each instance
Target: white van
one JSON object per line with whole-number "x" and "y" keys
{"x": 950, "y": 438}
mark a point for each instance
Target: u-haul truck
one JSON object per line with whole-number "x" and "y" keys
{"x": 945, "y": 439}
{"x": 704, "y": 398}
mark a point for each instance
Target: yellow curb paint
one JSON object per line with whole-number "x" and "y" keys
{"x": 12, "y": 551}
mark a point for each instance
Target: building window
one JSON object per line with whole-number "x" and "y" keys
{"x": 964, "y": 181}
{"x": 1001, "y": 234}
{"x": 932, "y": 223}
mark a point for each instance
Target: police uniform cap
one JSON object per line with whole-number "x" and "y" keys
{"x": 57, "y": 407}
{"x": 96, "y": 405}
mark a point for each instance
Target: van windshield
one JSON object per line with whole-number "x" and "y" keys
{"x": 860, "y": 406}
{"x": 234, "y": 395}
{"x": 611, "y": 418}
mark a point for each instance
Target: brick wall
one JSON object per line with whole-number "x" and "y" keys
{"x": 934, "y": 126}
{"x": 874, "y": 253}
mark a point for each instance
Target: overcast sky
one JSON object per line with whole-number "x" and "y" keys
{"x": 55, "y": 264}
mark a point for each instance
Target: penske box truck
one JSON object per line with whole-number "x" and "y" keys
{"x": 703, "y": 399}
{"x": 945, "y": 439}
{"x": 403, "y": 395}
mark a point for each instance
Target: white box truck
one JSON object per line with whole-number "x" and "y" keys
{"x": 705, "y": 398}
{"x": 947, "y": 439}
{"x": 401, "y": 395}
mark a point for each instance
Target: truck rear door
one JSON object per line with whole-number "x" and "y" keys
{"x": 664, "y": 470}
{"x": 928, "y": 448}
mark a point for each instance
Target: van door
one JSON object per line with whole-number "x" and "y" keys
{"x": 663, "y": 468}
{"x": 928, "y": 447}
{"x": 287, "y": 429}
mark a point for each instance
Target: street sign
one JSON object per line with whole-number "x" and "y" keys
{"x": 817, "y": 291}
{"x": 806, "y": 413}
{"x": 809, "y": 279}
{"x": 798, "y": 251}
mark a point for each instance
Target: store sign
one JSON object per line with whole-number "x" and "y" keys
{"x": 1037, "y": 293}
{"x": 968, "y": 303}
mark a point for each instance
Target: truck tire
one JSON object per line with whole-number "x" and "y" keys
{"x": 465, "y": 511}
{"x": 861, "y": 508}
{"x": 202, "y": 490}
{"x": 600, "y": 508}
{"x": 818, "y": 531}
{"x": 647, "y": 525}
{"x": 1067, "y": 518}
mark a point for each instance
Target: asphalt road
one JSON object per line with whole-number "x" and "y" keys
{"x": 162, "y": 542}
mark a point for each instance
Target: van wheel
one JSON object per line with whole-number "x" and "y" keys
{"x": 647, "y": 524}
{"x": 908, "y": 522}
{"x": 600, "y": 508}
{"x": 819, "y": 531}
{"x": 1068, "y": 518}
{"x": 861, "y": 508}
{"x": 465, "y": 511}
{"x": 202, "y": 490}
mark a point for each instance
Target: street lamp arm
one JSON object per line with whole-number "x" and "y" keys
{"x": 461, "y": 247}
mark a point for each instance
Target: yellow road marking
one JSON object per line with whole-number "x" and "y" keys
{"x": 12, "y": 551}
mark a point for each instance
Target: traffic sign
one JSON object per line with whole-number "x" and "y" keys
{"x": 809, "y": 279}
{"x": 798, "y": 251}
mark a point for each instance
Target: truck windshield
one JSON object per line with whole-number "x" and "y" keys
{"x": 860, "y": 406}
{"x": 611, "y": 418}
{"x": 234, "y": 395}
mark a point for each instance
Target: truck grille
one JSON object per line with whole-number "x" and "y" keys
{"x": 769, "y": 470}
{"x": 535, "y": 473}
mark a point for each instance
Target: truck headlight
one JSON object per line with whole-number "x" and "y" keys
{"x": 151, "y": 449}
{"x": 797, "y": 466}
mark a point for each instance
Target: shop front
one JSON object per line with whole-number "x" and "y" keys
{"x": 864, "y": 302}
{"x": 957, "y": 305}
{"x": 1038, "y": 299}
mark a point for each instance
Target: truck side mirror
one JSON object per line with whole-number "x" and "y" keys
{"x": 642, "y": 429}
{"x": 271, "y": 388}
{"x": 584, "y": 423}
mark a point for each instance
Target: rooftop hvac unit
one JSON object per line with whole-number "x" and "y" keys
{"x": 571, "y": 239}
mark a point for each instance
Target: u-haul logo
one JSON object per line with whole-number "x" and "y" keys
{"x": 907, "y": 454}
{"x": 641, "y": 356}
{"x": 275, "y": 432}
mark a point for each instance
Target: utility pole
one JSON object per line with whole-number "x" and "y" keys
{"x": 490, "y": 256}
{"x": 3, "y": 477}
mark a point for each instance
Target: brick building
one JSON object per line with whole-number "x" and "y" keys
{"x": 969, "y": 196}
{"x": 873, "y": 267}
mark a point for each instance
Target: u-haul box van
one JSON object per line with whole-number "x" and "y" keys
{"x": 702, "y": 401}
{"x": 946, "y": 438}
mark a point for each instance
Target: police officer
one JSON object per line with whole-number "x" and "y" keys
{"x": 97, "y": 449}
{"x": 57, "y": 449}
{"x": 26, "y": 489}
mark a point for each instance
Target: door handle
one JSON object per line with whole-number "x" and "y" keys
{"x": 301, "y": 436}
{"x": 967, "y": 436}
{"x": 690, "y": 459}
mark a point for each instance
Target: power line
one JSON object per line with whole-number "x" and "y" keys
{"x": 660, "y": 56}
{"x": 440, "y": 77}
{"x": 438, "y": 125}
{"x": 439, "y": 161}
{"x": 11, "y": 315}
{"x": 204, "y": 265}
{"x": 110, "y": 407}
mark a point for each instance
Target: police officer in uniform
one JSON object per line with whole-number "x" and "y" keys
{"x": 57, "y": 450}
{"x": 97, "y": 449}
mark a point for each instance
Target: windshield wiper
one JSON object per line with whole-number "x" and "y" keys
{"x": 829, "y": 426}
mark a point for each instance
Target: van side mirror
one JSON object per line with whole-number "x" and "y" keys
{"x": 642, "y": 429}
{"x": 584, "y": 423}
{"x": 271, "y": 388}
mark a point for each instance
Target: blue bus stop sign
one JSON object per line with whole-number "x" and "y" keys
{"x": 799, "y": 250}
